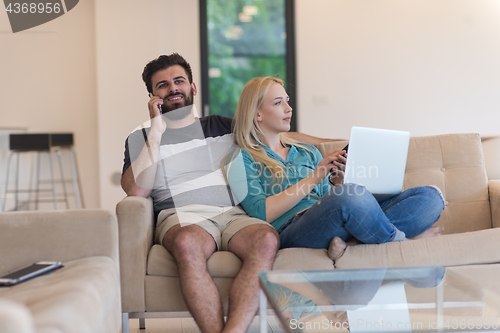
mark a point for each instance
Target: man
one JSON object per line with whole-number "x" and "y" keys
{"x": 175, "y": 158}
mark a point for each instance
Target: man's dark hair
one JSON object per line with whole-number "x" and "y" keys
{"x": 164, "y": 62}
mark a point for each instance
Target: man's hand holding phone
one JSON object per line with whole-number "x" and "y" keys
{"x": 154, "y": 106}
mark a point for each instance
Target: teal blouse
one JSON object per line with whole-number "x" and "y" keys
{"x": 252, "y": 186}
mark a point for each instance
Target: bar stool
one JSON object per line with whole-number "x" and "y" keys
{"x": 39, "y": 144}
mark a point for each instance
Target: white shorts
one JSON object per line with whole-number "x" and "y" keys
{"x": 222, "y": 223}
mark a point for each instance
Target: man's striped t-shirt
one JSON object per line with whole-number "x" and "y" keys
{"x": 189, "y": 167}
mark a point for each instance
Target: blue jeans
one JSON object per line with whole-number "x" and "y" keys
{"x": 350, "y": 211}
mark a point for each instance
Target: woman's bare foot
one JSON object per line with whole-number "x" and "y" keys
{"x": 336, "y": 248}
{"x": 431, "y": 232}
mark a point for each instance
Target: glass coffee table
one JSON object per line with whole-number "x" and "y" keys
{"x": 405, "y": 299}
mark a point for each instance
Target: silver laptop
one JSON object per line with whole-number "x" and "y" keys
{"x": 376, "y": 159}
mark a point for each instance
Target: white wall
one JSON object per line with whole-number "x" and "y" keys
{"x": 47, "y": 84}
{"x": 426, "y": 66}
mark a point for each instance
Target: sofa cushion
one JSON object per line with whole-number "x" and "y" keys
{"x": 468, "y": 248}
{"x": 221, "y": 264}
{"x": 302, "y": 259}
{"x": 454, "y": 163}
{"x": 80, "y": 297}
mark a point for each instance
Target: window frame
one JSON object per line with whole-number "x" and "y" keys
{"x": 289, "y": 59}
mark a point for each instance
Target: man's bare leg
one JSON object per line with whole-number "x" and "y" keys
{"x": 256, "y": 246}
{"x": 191, "y": 247}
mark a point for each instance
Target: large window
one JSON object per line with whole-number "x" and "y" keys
{"x": 242, "y": 39}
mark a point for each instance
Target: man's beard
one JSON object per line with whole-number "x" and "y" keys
{"x": 178, "y": 111}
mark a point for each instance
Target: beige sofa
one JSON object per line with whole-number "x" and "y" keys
{"x": 455, "y": 163}
{"x": 81, "y": 297}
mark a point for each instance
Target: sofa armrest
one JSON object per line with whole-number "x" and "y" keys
{"x": 15, "y": 317}
{"x": 135, "y": 228}
{"x": 56, "y": 236}
{"x": 494, "y": 189}
{"x": 491, "y": 150}
{"x": 325, "y": 147}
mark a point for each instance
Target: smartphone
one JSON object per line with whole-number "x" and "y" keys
{"x": 29, "y": 272}
{"x": 159, "y": 106}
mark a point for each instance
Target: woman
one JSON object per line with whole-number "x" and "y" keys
{"x": 287, "y": 184}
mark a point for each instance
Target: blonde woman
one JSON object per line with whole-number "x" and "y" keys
{"x": 287, "y": 184}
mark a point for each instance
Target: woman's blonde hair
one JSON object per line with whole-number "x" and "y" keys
{"x": 246, "y": 128}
